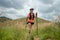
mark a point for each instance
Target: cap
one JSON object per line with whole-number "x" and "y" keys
{"x": 31, "y": 8}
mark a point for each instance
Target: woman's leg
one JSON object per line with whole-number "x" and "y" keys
{"x": 30, "y": 27}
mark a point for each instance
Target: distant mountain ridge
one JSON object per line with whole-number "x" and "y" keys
{"x": 3, "y": 19}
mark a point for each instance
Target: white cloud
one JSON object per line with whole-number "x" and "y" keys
{"x": 47, "y": 9}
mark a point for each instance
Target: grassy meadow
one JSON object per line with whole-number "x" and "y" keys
{"x": 15, "y": 30}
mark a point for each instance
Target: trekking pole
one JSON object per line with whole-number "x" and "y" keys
{"x": 36, "y": 24}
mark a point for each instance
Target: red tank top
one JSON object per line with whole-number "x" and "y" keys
{"x": 31, "y": 17}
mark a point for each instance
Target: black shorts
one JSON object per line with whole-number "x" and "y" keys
{"x": 31, "y": 23}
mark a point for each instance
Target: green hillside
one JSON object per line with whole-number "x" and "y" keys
{"x": 18, "y": 30}
{"x": 18, "y": 22}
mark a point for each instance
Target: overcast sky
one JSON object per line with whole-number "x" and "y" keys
{"x": 47, "y": 9}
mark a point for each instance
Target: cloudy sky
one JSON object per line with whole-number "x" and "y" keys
{"x": 47, "y": 9}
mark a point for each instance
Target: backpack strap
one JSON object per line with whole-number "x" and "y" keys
{"x": 29, "y": 16}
